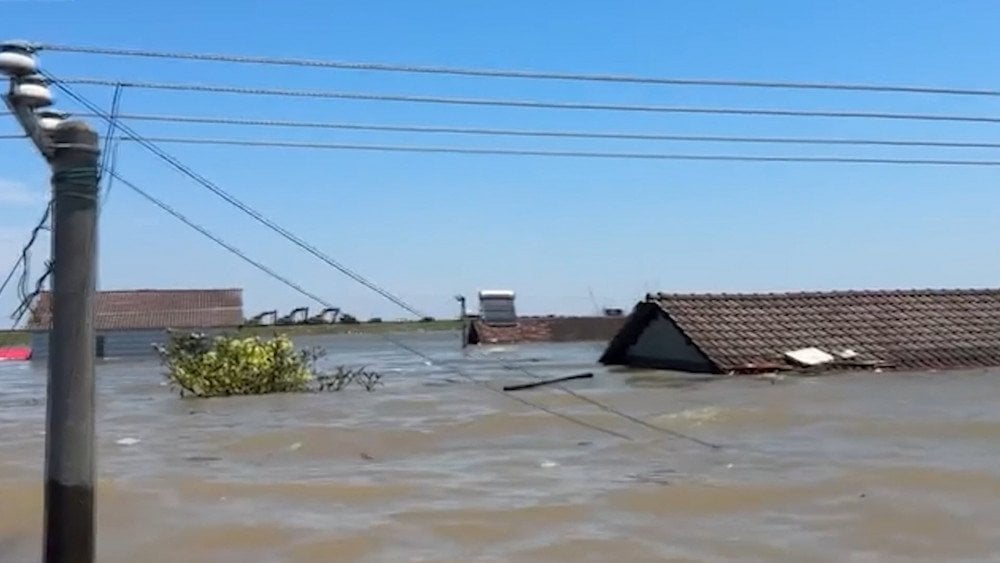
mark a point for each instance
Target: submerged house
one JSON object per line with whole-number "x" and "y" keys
{"x": 129, "y": 323}
{"x": 498, "y": 323}
{"x": 905, "y": 329}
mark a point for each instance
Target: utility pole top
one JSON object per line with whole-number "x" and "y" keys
{"x": 75, "y": 134}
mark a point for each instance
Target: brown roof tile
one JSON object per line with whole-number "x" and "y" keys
{"x": 545, "y": 329}
{"x": 154, "y": 309}
{"x": 910, "y": 329}
{"x": 906, "y": 328}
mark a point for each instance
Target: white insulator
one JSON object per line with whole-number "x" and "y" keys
{"x": 31, "y": 91}
{"x": 17, "y": 59}
{"x": 49, "y": 119}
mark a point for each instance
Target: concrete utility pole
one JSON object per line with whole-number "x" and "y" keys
{"x": 72, "y": 150}
{"x": 69, "y": 446}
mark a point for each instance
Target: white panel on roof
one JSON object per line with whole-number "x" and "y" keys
{"x": 496, "y": 293}
{"x": 497, "y": 307}
{"x": 809, "y": 356}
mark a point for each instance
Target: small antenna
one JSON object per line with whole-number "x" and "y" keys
{"x": 593, "y": 300}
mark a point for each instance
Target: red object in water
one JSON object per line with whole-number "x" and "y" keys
{"x": 15, "y": 353}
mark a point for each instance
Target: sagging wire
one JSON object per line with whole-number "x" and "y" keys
{"x": 253, "y": 213}
{"x": 570, "y": 154}
{"x": 543, "y": 133}
{"x": 427, "y": 359}
{"x": 109, "y": 155}
{"x": 232, "y": 200}
{"x": 209, "y": 235}
{"x": 609, "y": 409}
{"x": 563, "y": 153}
{"x": 26, "y": 296}
{"x": 535, "y": 104}
{"x": 28, "y": 301}
{"x": 110, "y": 182}
{"x": 524, "y": 74}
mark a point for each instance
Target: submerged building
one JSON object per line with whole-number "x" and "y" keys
{"x": 904, "y": 329}
{"x": 498, "y": 323}
{"x": 129, "y": 323}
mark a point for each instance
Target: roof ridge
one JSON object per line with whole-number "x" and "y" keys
{"x": 155, "y": 290}
{"x": 911, "y": 328}
{"x": 826, "y": 293}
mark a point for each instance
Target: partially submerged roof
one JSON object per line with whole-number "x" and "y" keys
{"x": 154, "y": 309}
{"x": 910, "y": 329}
{"x": 544, "y": 329}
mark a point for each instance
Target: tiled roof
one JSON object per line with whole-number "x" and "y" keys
{"x": 155, "y": 309}
{"x": 547, "y": 329}
{"x": 910, "y": 329}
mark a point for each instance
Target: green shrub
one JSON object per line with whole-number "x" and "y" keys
{"x": 200, "y": 366}
{"x": 215, "y": 367}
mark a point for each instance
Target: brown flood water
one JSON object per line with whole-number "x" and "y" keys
{"x": 889, "y": 467}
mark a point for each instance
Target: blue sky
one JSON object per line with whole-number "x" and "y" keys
{"x": 556, "y": 230}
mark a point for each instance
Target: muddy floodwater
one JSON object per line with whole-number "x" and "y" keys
{"x": 861, "y": 467}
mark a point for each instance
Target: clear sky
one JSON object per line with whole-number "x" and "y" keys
{"x": 556, "y": 230}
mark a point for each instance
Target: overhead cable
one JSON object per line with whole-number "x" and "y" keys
{"x": 215, "y": 189}
{"x": 612, "y": 410}
{"x": 109, "y": 154}
{"x": 26, "y": 296}
{"x": 563, "y": 154}
{"x": 229, "y": 198}
{"x": 527, "y": 74}
{"x": 363, "y": 96}
{"x": 577, "y": 134}
{"x": 208, "y": 234}
{"x": 430, "y": 361}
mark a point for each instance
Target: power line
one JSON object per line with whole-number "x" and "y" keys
{"x": 327, "y": 94}
{"x": 527, "y": 74}
{"x": 205, "y": 232}
{"x": 566, "y": 154}
{"x": 325, "y": 303}
{"x": 227, "y": 197}
{"x": 109, "y": 154}
{"x": 29, "y": 298}
{"x": 215, "y": 189}
{"x": 208, "y": 234}
{"x": 614, "y": 411}
{"x": 523, "y": 401}
{"x": 105, "y": 153}
{"x": 26, "y": 297}
{"x": 112, "y": 165}
{"x": 31, "y": 241}
{"x": 486, "y": 131}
